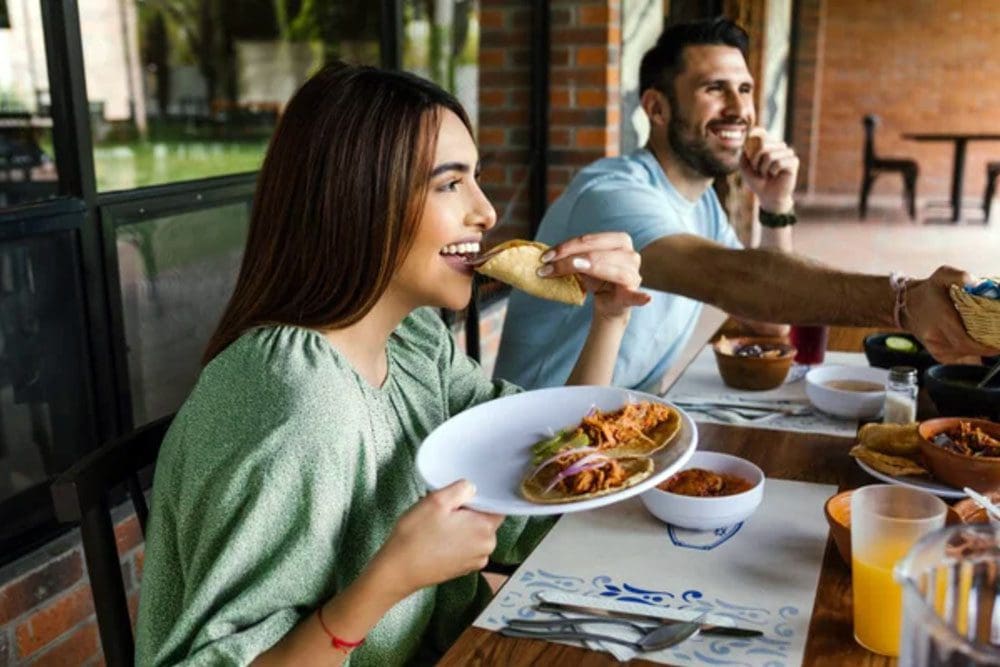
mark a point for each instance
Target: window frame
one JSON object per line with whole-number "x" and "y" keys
{"x": 95, "y": 218}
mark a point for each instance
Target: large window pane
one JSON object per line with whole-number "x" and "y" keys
{"x": 441, "y": 43}
{"x": 27, "y": 166}
{"x": 184, "y": 89}
{"x": 176, "y": 274}
{"x": 44, "y": 416}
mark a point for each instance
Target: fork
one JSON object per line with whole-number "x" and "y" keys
{"x": 655, "y": 639}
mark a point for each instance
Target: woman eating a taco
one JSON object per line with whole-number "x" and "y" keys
{"x": 288, "y": 525}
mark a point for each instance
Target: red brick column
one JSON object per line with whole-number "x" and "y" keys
{"x": 504, "y": 111}
{"x": 584, "y": 92}
{"x": 806, "y": 101}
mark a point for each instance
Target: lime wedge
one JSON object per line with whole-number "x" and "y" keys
{"x": 900, "y": 344}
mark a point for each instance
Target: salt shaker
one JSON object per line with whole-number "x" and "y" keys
{"x": 900, "y": 396}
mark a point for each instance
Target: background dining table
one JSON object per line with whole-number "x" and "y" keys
{"x": 961, "y": 141}
{"x": 790, "y": 455}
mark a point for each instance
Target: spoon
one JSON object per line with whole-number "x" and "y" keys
{"x": 983, "y": 502}
{"x": 989, "y": 376}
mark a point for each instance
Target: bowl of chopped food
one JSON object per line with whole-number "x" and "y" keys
{"x": 952, "y": 388}
{"x": 755, "y": 363}
{"x": 962, "y": 451}
{"x": 885, "y": 350}
{"x": 713, "y": 490}
{"x": 847, "y": 392}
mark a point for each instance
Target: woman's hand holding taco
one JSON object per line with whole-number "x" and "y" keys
{"x": 608, "y": 267}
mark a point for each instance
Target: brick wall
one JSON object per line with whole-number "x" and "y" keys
{"x": 584, "y": 95}
{"x": 46, "y": 610}
{"x": 505, "y": 113}
{"x": 922, "y": 65}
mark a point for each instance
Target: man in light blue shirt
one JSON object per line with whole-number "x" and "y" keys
{"x": 698, "y": 94}
{"x": 630, "y": 194}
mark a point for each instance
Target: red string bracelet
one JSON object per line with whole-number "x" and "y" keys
{"x": 335, "y": 641}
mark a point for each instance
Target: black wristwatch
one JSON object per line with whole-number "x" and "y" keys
{"x": 774, "y": 220}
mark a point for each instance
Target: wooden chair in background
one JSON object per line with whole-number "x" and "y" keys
{"x": 81, "y": 494}
{"x": 874, "y": 165}
{"x": 992, "y": 173}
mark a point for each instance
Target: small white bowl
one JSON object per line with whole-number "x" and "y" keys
{"x": 698, "y": 513}
{"x": 842, "y": 403}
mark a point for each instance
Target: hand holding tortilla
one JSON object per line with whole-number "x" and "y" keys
{"x": 606, "y": 452}
{"x": 517, "y": 262}
{"x": 603, "y": 263}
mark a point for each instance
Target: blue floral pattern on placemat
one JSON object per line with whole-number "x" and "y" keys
{"x": 771, "y": 650}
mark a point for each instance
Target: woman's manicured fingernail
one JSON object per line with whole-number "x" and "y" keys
{"x": 545, "y": 270}
{"x": 549, "y": 254}
{"x": 581, "y": 264}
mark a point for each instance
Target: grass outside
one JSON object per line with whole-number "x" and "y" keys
{"x": 141, "y": 163}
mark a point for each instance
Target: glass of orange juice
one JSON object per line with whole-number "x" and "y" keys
{"x": 886, "y": 520}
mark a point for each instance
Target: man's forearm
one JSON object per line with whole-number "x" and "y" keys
{"x": 766, "y": 285}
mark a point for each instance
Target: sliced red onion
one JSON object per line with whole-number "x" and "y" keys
{"x": 555, "y": 457}
{"x": 588, "y": 462}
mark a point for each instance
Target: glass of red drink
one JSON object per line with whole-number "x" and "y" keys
{"x": 810, "y": 341}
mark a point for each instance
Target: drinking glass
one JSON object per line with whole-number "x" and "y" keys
{"x": 951, "y": 587}
{"x": 886, "y": 520}
{"x": 810, "y": 343}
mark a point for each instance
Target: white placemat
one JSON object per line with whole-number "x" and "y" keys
{"x": 762, "y": 573}
{"x": 701, "y": 381}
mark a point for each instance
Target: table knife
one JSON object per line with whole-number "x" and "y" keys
{"x": 706, "y": 628}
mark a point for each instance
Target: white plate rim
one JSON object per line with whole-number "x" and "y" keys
{"x": 936, "y": 488}
{"x": 688, "y": 430}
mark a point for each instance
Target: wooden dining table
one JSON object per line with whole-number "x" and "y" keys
{"x": 961, "y": 141}
{"x": 790, "y": 455}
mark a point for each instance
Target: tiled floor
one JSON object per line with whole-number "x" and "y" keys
{"x": 894, "y": 244}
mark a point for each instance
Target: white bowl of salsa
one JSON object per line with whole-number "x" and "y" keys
{"x": 732, "y": 488}
{"x": 848, "y": 392}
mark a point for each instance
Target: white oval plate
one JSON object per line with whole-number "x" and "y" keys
{"x": 929, "y": 485}
{"x": 490, "y": 445}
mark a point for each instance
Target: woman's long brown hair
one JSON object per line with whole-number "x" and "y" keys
{"x": 337, "y": 201}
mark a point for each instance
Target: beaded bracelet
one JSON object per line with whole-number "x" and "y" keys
{"x": 335, "y": 641}
{"x": 899, "y": 283}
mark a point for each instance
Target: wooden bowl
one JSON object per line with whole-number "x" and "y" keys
{"x": 755, "y": 373}
{"x": 838, "y": 514}
{"x": 981, "y": 473}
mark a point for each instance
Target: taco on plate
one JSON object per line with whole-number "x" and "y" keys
{"x": 577, "y": 475}
{"x": 516, "y": 263}
{"x": 605, "y": 452}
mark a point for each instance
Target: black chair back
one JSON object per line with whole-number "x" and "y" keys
{"x": 871, "y": 122}
{"x": 81, "y": 494}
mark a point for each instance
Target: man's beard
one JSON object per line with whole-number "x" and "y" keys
{"x": 695, "y": 152}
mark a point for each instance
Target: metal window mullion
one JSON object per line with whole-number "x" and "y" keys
{"x": 539, "y": 101}
{"x": 391, "y": 34}
{"x": 75, "y": 163}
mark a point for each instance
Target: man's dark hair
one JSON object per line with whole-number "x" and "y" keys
{"x": 665, "y": 61}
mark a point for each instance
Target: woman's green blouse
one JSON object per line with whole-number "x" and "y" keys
{"x": 282, "y": 476}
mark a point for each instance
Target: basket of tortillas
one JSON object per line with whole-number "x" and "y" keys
{"x": 979, "y": 307}
{"x": 517, "y": 262}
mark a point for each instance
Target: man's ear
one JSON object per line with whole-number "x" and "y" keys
{"x": 655, "y": 104}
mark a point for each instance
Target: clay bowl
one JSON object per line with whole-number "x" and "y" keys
{"x": 952, "y": 388}
{"x": 981, "y": 473}
{"x": 754, "y": 373}
{"x": 838, "y": 514}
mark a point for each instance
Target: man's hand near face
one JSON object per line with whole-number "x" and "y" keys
{"x": 770, "y": 169}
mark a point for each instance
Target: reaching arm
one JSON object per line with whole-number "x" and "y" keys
{"x": 778, "y": 287}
